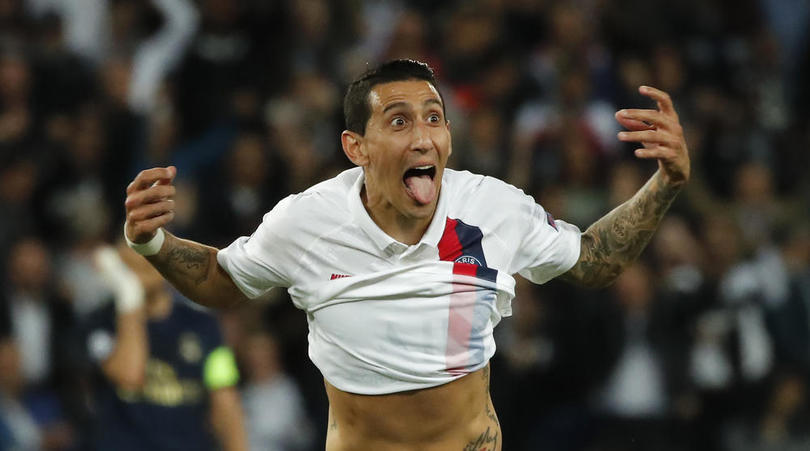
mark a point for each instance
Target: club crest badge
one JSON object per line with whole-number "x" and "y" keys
{"x": 468, "y": 259}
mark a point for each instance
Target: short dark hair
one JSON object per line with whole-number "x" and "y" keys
{"x": 356, "y": 106}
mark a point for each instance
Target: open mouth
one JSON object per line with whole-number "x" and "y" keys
{"x": 421, "y": 171}
{"x": 419, "y": 183}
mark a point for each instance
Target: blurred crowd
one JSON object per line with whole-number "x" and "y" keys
{"x": 702, "y": 345}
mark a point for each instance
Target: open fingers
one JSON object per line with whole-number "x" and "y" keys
{"x": 658, "y": 152}
{"x": 150, "y": 195}
{"x": 149, "y": 211}
{"x": 663, "y": 99}
{"x": 147, "y": 227}
{"x": 653, "y": 117}
{"x": 632, "y": 124}
{"x": 648, "y": 136}
{"x": 149, "y": 177}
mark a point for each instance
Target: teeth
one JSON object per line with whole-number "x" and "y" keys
{"x": 424, "y": 167}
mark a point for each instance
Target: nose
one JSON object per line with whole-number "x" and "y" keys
{"x": 421, "y": 140}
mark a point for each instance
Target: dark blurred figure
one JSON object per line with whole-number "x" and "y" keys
{"x": 236, "y": 198}
{"x": 732, "y": 359}
{"x": 62, "y": 80}
{"x": 239, "y": 51}
{"x": 18, "y": 429}
{"x": 39, "y": 320}
{"x": 484, "y": 148}
{"x": 285, "y": 427}
{"x": 557, "y": 347}
{"x": 17, "y": 115}
{"x": 161, "y": 377}
{"x": 548, "y": 129}
{"x": 636, "y": 405}
{"x": 18, "y": 180}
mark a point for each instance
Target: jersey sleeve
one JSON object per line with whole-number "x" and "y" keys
{"x": 265, "y": 259}
{"x": 543, "y": 248}
{"x": 549, "y": 248}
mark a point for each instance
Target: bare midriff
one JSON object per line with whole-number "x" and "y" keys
{"x": 457, "y": 416}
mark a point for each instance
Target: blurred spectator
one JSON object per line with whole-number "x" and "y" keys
{"x": 547, "y": 129}
{"x": 164, "y": 371}
{"x": 409, "y": 38}
{"x": 16, "y": 103}
{"x": 227, "y": 55}
{"x": 636, "y": 403}
{"x": 36, "y": 352}
{"x": 39, "y": 317}
{"x": 18, "y": 429}
{"x": 733, "y": 355}
{"x": 285, "y": 426}
{"x": 790, "y": 320}
{"x": 760, "y": 214}
{"x": 484, "y": 148}
{"x": 18, "y": 179}
{"x": 251, "y": 184}
{"x": 302, "y": 127}
{"x": 783, "y": 423}
{"x": 554, "y": 351}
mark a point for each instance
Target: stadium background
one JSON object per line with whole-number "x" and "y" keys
{"x": 704, "y": 345}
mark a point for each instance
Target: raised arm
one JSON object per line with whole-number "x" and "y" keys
{"x": 191, "y": 267}
{"x": 125, "y": 366}
{"x": 616, "y": 240}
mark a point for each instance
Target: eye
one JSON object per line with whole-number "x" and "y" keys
{"x": 434, "y": 118}
{"x": 397, "y": 122}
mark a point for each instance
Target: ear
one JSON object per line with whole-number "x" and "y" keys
{"x": 353, "y": 147}
{"x": 450, "y": 136}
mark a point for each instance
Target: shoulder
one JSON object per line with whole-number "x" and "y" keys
{"x": 309, "y": 213}
{"x": 475, "y": 191}
{"x": 327, "y": 198}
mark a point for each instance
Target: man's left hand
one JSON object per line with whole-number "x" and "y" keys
{"x": 660, "y": 131}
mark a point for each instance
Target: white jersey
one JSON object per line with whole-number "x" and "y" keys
{"x": 384, "y": 316}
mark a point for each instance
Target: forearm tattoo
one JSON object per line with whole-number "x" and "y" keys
{"x": 192, "y": 262}
{"x": 185, "y": 263}
{"x": 617, "y": 239}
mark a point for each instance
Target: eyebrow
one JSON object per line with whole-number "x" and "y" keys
{"x": 403, "y": 104}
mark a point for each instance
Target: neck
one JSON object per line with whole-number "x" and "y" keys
{"x": 406, "y": 230}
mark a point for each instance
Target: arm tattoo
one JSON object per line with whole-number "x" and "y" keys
{"x": 185, "y": 264}
{"x": 615, "y": 241}
{"x": 193, "y": 269}
{"x": 190, "y": 261}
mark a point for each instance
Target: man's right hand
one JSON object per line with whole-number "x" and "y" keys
{"x": 150, "y": 203}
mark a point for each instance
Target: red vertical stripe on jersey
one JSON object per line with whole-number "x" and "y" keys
{"x": 449, "y": 246}
{"x": 459, "y": 322}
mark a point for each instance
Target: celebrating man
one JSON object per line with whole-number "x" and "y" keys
{"x": 405, "y": 267}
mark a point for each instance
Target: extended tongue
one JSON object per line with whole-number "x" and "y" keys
{"x": 421, "y": 188}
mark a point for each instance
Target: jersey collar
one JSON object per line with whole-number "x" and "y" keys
{"x": 381, "y": 239}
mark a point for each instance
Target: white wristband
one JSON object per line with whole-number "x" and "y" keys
{"x": 148, "y": 248}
